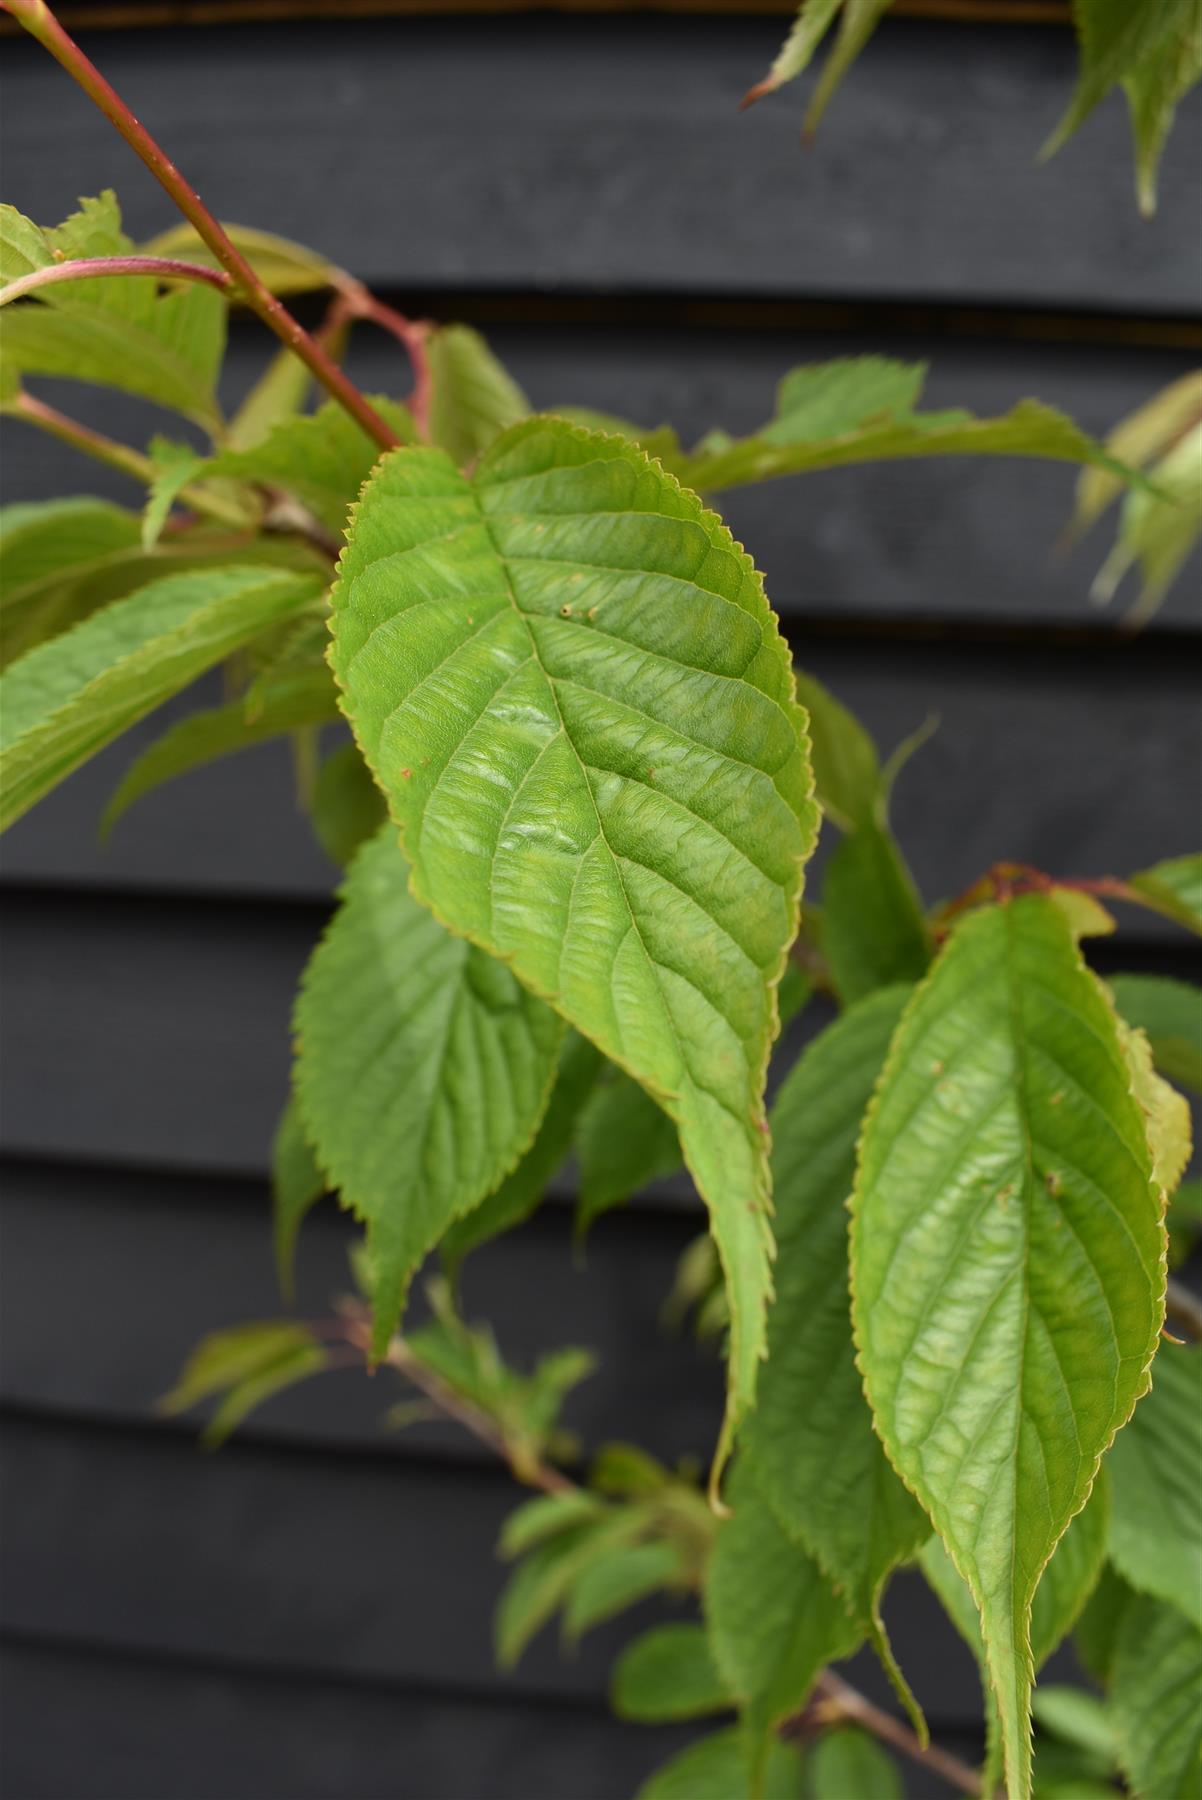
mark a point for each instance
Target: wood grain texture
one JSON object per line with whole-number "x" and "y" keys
{"x": 605, "y": 153}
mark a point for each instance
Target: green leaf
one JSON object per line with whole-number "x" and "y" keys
{"x": 1173, "y": 888}
{"x": 714, "y": 1768}
{"x": 810, "y": 1439}
{"x": 247, "y": 1365}
{"x": 1167, "y": 1119}
{"x": 284, "y": 267}
{"x": 1156, "y": 1474}
{"x": 423, "y": 1070}
{"x": 1078, "y": 1718}
{"x": 1064, "y": 1590}
{"x": 1155, "y": 50}
{"x": 566, "y": 678}
{"x": 857, "y": 20}
{"x": 1146, "y": 433}
{"x": 23, "y": 246}
{"x": 826, "y": 400}
{"x": 774, "y": 1619}
{"x": 535, "y": 1521}
{"x": 1159, "y": 528}
{"x": 873, "y": 929}
{"x": 297, "y": 1184}
{"x": 121, "y": 331}
{"x": 67, "y": 699}
{"x": 473, "y": 397}
{"x": 1028, "y": 429}
{"x": 1007, "y": 1261}
{"x": 322, "y": 458}
{"x": 624, "y": 1142}
{"x": 668, "y": 1673}
{"x": 618, "y": 1579}
{"x": 1184, "y": 1221}
{"x": 846, "y": 1763}
{"x": 545, "y": 1577}
{"x": 522, "y": 1190}
{"x": 278, "y": 395}
{"x": 1156, "y": 1701}
{"x": 204, "y": 737}
{"x": 847, "y": 770}
{"x": 1095, "y": 1635}
{"x": 1170, "y": 1013}
{"x": 659, "y": 441}
{"x": 174, "y": 467}
{"x": 347, "y": 806}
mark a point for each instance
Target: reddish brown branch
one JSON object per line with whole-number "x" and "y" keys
{"x": 82, "y": 268}
{"x": 40, "y": 22}
{"x": 839, "y": 1702}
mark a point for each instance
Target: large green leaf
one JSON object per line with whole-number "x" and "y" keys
{"x": 1007, "y": 1261}
{"x": 1156, "y": 1475}
{"x": 714, "y": 1768}
{"x": 524, "y": 1187}
{"x": 322, "y": 458}
{"x": 205, "y": 737}
{"x": 423, "y": 1069}
{"x": 1156, "y": 1699}
{"x": 566, "y": 677}
{"x": 810, "y": 1439}
{"x": 66, "y": 699}
{"x": 120, "y": 331}
{"x": 668, "y": 1673}
{"x": 1170, "y": 1012}
{"x": 774, "y": 1618}
{"x": 473, "y": 397}
{"x": 873, "y": 929}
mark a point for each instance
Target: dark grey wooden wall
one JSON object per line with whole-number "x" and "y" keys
{"x": 306, "y": 1616}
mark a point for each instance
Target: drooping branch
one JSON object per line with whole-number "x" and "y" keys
{"x": 36, "y": 17}
{"x": 82, "y": 268}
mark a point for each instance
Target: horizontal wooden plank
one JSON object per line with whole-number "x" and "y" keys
{"x": 959, "y": 539}
{"x": 1067, "y": 757}
{"x": 156, "y": 1263}
{"x": 150, "y": 1727}
{"x": 146, "y": 1727}
{"x": 154, "y": 1034}
{"x": 336, "y": 1565}
{"x": 607, "y": 153}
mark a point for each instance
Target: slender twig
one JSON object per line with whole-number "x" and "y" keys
{"x": 82, "y": 268}
{"x": 354, "y": 301}
{"x": 1183, "y": 1308}
{"x": 838, "y": 1700}
{"x": 124, "y": 457}
{"x": 40, "y": 22}
{"x": 528, "y": 1468}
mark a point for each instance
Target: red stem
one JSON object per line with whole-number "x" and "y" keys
{"x": 41, "y": 23}
{"x": 166, "y": 268}
{"x": 358, "y": 302}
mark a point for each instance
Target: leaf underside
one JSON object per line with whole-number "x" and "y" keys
{"x": 567, "y": 680}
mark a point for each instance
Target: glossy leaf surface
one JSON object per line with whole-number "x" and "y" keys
{"x": 1006, "y": 1261}
{"x": 566, "y": 678}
